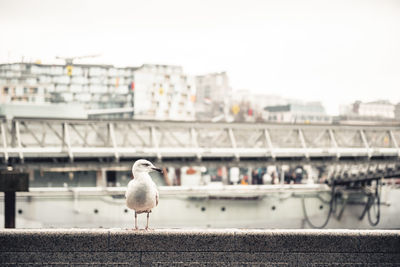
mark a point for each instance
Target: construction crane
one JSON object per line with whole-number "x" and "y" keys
{"x": 69, "y": 60}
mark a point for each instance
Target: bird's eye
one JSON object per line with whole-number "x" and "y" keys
{"x": 146, "y": 164}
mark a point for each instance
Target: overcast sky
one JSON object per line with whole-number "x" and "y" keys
{"x": 333, "y": 51}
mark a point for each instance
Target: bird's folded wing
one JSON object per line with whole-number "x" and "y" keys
{"x": 156, "y": 198}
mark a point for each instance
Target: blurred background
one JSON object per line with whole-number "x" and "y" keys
{"x": 263, "y": 114}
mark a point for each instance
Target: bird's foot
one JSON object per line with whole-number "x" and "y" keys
{"x": 148, "y": 229}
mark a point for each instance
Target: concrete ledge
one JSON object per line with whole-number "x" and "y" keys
{"x": 175, "y": 247}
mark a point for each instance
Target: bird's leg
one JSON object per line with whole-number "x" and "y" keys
{"x": 136, "y": 226}
{"x": 147, "y": 224}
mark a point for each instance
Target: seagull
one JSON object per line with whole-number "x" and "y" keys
{"x": 142, "y": 194}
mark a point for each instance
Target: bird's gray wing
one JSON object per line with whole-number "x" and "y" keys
{"x": 156, "y": 198}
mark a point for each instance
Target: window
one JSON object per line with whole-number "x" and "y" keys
{"x": 33, "y": 90}
{"x": 111, "y": 177}
{"x": 207, "y": 92}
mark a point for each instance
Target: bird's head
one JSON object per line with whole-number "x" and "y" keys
{"x": 143, "y": 165}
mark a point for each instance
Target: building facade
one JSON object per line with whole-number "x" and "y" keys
{"x": 147, "y": 92}
{"x": 93, "y": 86}
{"x": 311, "y": 112}
{"x": 164, "y": 92}
{"x": 381, "y": 109}
{"x": 212, "y": 95}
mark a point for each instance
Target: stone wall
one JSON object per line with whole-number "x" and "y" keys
{"x": 180, "y": 247}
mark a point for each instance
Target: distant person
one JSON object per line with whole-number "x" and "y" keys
{"x": 288, "y": 177}
{"x": 245, "y": 180}
{"x": 298, "y": 175}
{"x": 260, "y": 174}
{"x": 275, "y": 178}
{"x": 254, "y": 178}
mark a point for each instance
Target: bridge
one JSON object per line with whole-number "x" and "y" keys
{"x": 51, "y": 140}
{"x": 370, "y": 151}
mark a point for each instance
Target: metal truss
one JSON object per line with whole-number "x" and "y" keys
{"x": 28, "y": 139}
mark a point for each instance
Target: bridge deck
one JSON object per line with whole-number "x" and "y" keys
{"x": 27, "y": 139}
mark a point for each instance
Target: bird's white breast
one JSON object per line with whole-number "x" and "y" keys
{"x": 141, "y": 194}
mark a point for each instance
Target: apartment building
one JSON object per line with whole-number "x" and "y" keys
{"x": 148, "y": 92}
{"x": 164, "y": 92}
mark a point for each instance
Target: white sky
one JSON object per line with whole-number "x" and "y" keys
{"x": 333, "y": 51}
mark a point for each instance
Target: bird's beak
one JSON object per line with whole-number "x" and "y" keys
{"x": 157, "y": 169}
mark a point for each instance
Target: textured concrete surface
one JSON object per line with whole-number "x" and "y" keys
{"x": 178, "y": 247}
